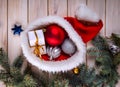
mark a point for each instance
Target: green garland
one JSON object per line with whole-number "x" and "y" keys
{"x": 11, "y": 75}
{"x": 104, "y": 74}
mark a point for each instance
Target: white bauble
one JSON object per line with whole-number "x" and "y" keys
{"x": 68, "y": 47}
{"x": 53, "y": 52}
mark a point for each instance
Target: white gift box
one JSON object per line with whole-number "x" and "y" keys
{"x": 33, "y": 36}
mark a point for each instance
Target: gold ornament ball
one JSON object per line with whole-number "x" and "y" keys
{"x": 76, "y": 71}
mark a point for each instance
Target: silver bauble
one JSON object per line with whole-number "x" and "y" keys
{"x": 68, "y": 47}
{"x": 53, "y": 52}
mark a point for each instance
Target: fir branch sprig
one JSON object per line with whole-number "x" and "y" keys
{"x": 4, "y": 60}
{"x": 105, "y": 60}
{"x": 11, "y": 75}
{"x": 116, "y": 38}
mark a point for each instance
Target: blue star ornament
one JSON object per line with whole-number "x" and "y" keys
{"x": 17, "y": 29}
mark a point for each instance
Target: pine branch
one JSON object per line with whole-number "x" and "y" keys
{"x": 93, "y": 52}
{"x": 16, "y": 74}
{"x": 105, "y": 61}
{"x": 116, "y": 39}
{"x": 60, "y": 83}
{"x": 6, "y": 77}
{"x": 18, "y": 62}
{"x": 4, "y": 60}
{"x": 29, "y": 81}
{"x": 100, "y": 43}
{"x": 87, "y": 76}
{"x": 116, "y": 59}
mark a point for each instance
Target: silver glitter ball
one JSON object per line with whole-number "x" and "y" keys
{"x": 53, "y": 52}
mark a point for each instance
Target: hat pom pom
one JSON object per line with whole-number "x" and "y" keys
{"x": 86, "y": 14}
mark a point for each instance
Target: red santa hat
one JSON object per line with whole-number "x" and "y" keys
{"x": 79, "y": 31}
{"x": 86, "y": 23}
{"x": 87, "y": 32}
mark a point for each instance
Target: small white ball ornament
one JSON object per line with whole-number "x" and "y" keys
{"x": 68, "y": 47}
{"x": 53, "y": 52}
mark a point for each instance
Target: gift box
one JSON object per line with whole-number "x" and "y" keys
{"x": 37, "y": 41}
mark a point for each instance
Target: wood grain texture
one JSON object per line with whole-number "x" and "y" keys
{"x": 3, "y": 29}
{"x": 57, "y": 7}
{"x": 3, "y": 24}
{"x": 112, "y": 17}
{"x": 17, "y": 14}
{"x": 72, "y": 6}
{"x": 37, "y": 9}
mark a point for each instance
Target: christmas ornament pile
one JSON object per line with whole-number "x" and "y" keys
{"x": 56, "y": 44}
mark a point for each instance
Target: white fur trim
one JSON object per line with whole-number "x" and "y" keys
{"x": 54, "y": 66}
{"x": 84, "y": 13}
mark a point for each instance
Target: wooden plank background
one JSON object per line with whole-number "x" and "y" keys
{"x": 25, "y": 11}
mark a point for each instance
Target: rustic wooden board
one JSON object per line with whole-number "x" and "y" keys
{"x": 37, "y": 9}
{"x": 17, "y": 14}
{"x": 72, "y": 6}
{"x": 112, "y": 17}
{"x": 3, "y": 24}
{"x": 3, "y": 29}
{"x": 57, "y": 7}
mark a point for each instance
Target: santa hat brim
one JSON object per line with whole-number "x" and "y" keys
{"x": 54, "y": 66}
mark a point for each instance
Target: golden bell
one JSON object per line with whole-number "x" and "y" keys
{"x": 76, "y": 70}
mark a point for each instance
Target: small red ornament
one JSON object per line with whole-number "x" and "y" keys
{"x": 54, "y": 35}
